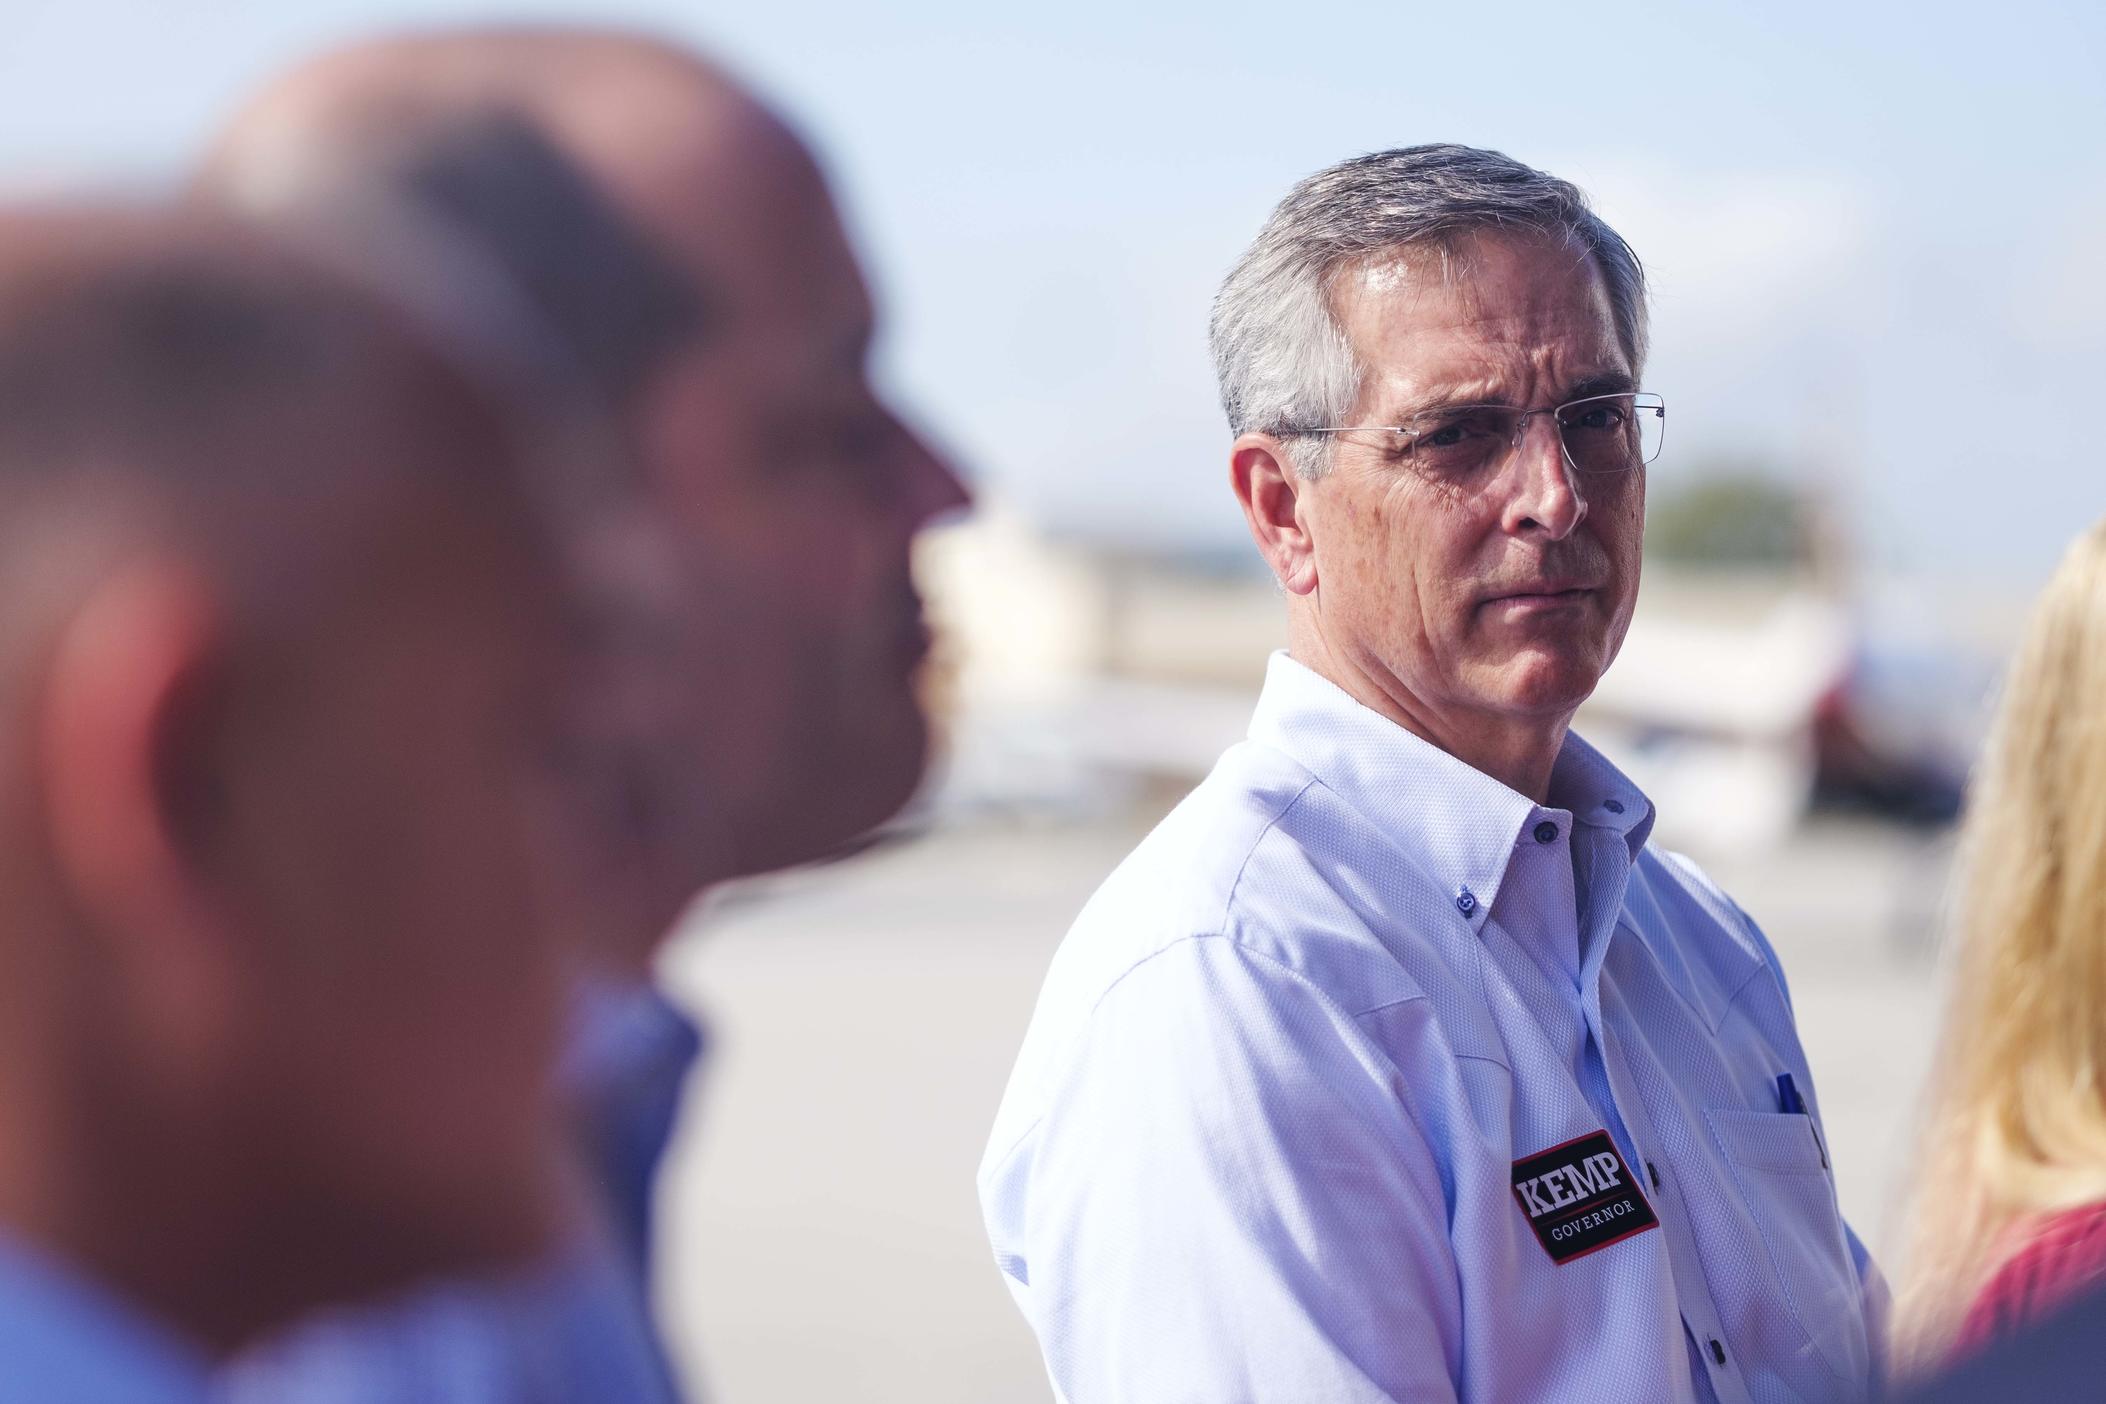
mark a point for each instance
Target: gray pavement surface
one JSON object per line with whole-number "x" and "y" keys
{"x": 820, "y": 1238}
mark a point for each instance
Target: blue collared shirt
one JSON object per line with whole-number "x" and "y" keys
{"x": 64, "y": 1341}
{"x": 628, "y": 1071}
{"x": 578, "y": 1327}
{"x": 1367, "y": 1078}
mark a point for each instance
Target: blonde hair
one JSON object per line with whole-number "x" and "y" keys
{"x": 2017, "y": 1117}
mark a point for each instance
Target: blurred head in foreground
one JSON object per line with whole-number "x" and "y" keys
{"x": 2017, "y": 1125}
{"x": 275, "y": 1020}
{"x": 766, "y": 633}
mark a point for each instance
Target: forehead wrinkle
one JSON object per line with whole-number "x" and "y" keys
{"x": 1545, "y": 333}
{"x": 1530, "y": 373}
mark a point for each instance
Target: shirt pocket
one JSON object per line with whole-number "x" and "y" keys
{"x": 1780, "y": 1169}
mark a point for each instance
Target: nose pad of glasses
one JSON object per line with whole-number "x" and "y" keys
{"x": 1519, "y": 439}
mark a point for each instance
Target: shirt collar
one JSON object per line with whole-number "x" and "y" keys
{"x": 1457, "y": 823}
{"x": 625, "y": 1032}
{"x": 630, "y": 1057}
{"x": 65, "y": 1341}
{"x": 1597, "y": 794}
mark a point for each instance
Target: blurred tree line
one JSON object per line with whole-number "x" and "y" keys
{"x": 1731, "y": 517}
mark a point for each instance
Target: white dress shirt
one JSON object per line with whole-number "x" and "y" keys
{"x": 1367, "y": 1078}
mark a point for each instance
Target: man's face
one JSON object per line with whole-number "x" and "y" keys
{"x": 1504, "y": 598}
{"x": 796, "y": 495}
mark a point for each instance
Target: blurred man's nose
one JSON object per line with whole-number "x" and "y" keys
{"x": 931, "y": 486}
{"x": 1545, "y": 499}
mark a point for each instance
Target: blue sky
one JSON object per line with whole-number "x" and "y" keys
{"x": 1878, "y": 232}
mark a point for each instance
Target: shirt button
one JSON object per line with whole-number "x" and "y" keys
{"x": 1654, "y": 1171}
{"x": 1616, "y": 807}
{"x": 1546, "y": 832}
{"x": 1718, "y": 1352}
{"x": 1465, "y": 900}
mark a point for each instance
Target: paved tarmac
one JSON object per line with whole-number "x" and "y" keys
{"x": 821, "y": 1238}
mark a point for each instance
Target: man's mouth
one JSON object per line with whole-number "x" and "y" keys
{"x": 1543, "y": 593}
{"x": 914, "y": 637}
{"x": 916, "y": 641}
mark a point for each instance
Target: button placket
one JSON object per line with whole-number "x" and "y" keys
{"x": 1692, "y": 1285}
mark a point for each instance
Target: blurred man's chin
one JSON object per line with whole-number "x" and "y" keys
{"x": 865, "y": 802}
{"x": 496, "y": 1222}
{"x": 511, "y": 1221}
{"x": 843, "y": 791}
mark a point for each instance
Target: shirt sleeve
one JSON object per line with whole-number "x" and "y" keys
{"x": 1229, "y": 1200}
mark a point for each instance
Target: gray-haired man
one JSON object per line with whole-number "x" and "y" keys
{"x": 1397, "y": 1064}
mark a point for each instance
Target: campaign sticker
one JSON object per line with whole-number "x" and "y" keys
{"x": 1580, "y": 1198}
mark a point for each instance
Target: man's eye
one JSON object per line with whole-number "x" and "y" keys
{"x": 1454, "y": 431}
{"x": 1601, "y": 418}
{"x": 862, "y": 434}
{"x": 834, "y": 442}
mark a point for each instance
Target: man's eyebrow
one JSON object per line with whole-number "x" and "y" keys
{"x": 1605, "y": 383}
{"x": 1469, "y": 394}
{"x": 1456, "y": 397}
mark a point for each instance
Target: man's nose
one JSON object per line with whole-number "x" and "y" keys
{"x": 930, "y": 485}
{"x": 1544, "y": 496}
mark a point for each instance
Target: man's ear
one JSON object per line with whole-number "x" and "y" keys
{"x": 119, "y": 742}
{"x": 1272, "y": 495}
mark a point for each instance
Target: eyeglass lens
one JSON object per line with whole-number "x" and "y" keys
{"x": 1604, "y": 434}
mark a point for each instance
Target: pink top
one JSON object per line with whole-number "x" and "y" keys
{"x": 2064, "y": 1254}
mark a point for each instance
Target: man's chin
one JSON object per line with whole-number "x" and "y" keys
{"x": 1550, "y": 688}
{"x": 839, "y": 794}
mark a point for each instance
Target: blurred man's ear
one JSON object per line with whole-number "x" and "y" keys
{"x": 122, "y": 739}
{"x": 1272, "y": 497}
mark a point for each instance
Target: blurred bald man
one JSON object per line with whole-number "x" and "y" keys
{"x": 759, "y": 703}
{"x": 277, "y": 1020}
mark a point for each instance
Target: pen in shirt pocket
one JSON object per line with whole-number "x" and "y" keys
{"x": 1789, "y": 1100}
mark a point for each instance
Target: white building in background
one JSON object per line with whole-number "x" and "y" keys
{"x": 1712, "y": 703}
{"x": 1086, "y": 678}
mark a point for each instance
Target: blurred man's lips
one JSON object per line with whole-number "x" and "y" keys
{"x": 915, "y": 638}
